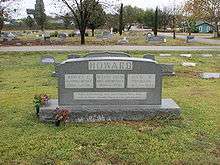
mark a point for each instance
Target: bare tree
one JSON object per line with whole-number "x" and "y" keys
{"x": 211, "y": 12}
{"x": 6, "y": 8}
{"x": 166, "y": 17}
{"x": 208, "y": 10}
{"x": 82, "y": 11}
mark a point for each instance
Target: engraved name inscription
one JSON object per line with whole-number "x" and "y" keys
{"x": 141, "y": 81}
{"x": 78, "y": 81}
{"x": 110, "y": 65}
{"x": 109, "y": 95}
{"x": 110, "y": 81}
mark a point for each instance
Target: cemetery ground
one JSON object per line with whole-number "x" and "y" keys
{"x": 27, "y": 38}
{"x": 194, "y": 138}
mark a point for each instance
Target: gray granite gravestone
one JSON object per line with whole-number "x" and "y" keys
{"x": 47, "y": 60}
{"x": 149, "y": 56}
{"x": 123, "y": 41}
{"x": 105, "y": 35}
{"x": 168, "y": 69}
{"x": 110, "y": 89}
{"x": 156, "y": 39}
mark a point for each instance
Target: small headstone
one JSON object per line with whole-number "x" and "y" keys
{"x": 46, "y": 37}
{"x": 47, "y": 60}
{"x": 18, "y": 44}
{"x": 190, "y": 39}
{"x": 156, "y": 39}
{"x": 63, "y": 35}
{"x": 8, "y": 36}
{"x": 124, "y": 41}
{"x": 165, "y": 55}
{"x": 186, "y": 55}
{"x": 210, "y": 75}
{"x": 188, "y": 64}
{"x": 77, "y": 33}
{"x": 107, "y": 88}
{"x": 72, "y": 56}
{"x": 206, "y": 55}
{"x": 29, "y": 44}
{"x": 105, "y": 35}
{"x": 149, "y": 56}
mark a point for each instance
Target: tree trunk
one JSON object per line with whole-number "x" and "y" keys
{"x": 174, "y": 34}
{"x": 217, "y": 30}
{"x": 42, "y": 28}
{"x": 82, "y": 33}
{"x": 1, "y": 27}
{"x": 93, "y": 32}
{"x": 174, "y": 28}
{"x": 190, "y": 33}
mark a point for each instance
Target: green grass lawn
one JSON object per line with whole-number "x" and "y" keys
{"x": 192, "y": 139}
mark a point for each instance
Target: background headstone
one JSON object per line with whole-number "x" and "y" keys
{"x": 123, "y": 41}
{"x": 186, "y": 55}
{"x": 72, "y": 56}
{"x": 210, "y": 75}
{"x": 168, "y": 69}
{"x": 190, "y": 39}
{"x": 189, "y": 64}
{"x": 156, "y": 39}
{"x": 165, "y": 55}
{"x": 47, "y": 60}
{"x": 206, "y": 55}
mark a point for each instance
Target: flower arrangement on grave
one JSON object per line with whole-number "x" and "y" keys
{"x": 61, "y": 115}
{"x": 40, "y": 100}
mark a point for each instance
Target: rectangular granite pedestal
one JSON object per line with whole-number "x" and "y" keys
{"x": 96, "y": 113}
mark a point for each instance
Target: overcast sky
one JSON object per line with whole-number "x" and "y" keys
{"x": 50, "y": 7}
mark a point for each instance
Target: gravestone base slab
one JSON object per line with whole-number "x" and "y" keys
{"x": 97, "y": 113}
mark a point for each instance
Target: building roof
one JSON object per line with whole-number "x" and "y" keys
{"x": 199, "y": 23}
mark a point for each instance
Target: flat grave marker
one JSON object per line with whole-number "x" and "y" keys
{"x": 165, "y": 55}
{"x": 168, "y": 69}
{"x": 189, "y": 64}
{"x": 206, "y": 55}
{"x": 210, "y": 75}
{"x": 47, "y": 60}
{"x": 186, "y": 55}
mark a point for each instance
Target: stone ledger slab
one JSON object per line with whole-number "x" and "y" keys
{"x": 97, "y": 113}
